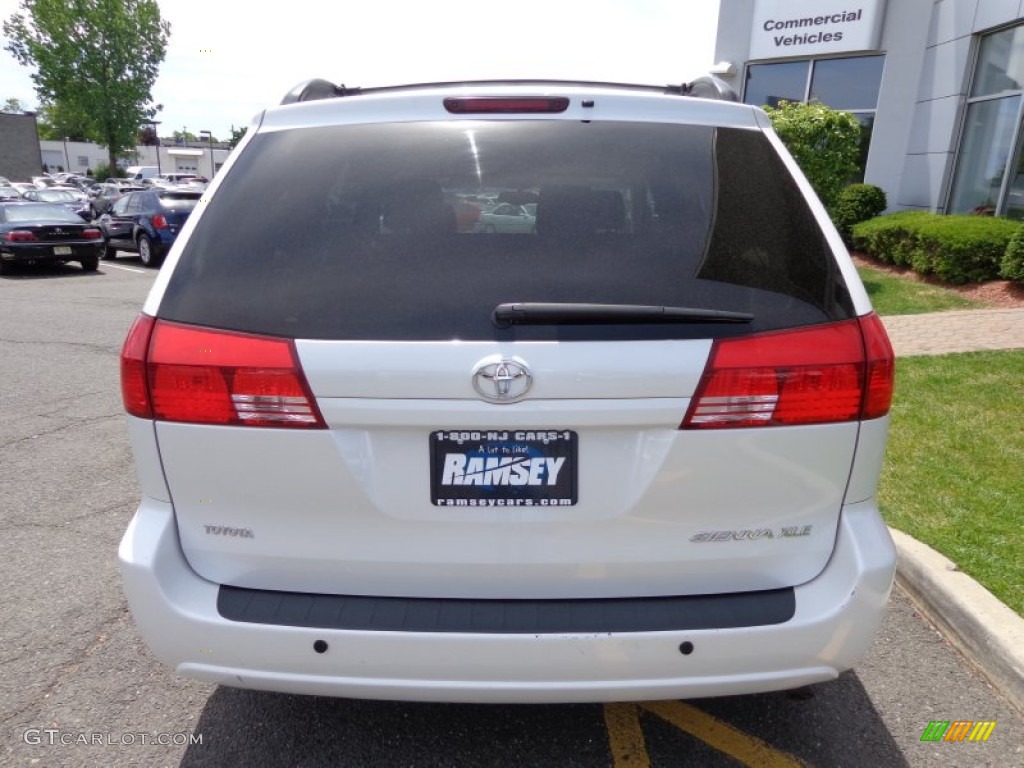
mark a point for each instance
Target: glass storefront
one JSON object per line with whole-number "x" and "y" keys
{"x": 849, "y": 83}
{"x": 992, "y": 140}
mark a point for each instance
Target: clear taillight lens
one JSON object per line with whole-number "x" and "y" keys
{"x": 175, "y": 372}
{"x": 817, "y": 375}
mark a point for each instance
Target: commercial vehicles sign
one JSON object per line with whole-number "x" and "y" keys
{"x": 784, "y": 28}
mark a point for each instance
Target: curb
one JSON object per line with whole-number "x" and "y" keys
{"x": 987, "y": 632}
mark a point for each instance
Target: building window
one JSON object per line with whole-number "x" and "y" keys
{"x": 850, "y": 84}
{"x": 83, "y": 161}
{"x": 992, "y": 139}
{"x": 768, "y": 84}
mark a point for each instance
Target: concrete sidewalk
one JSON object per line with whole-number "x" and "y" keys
{"x": 986, "y": 631}
{"x": 939, "y": 333}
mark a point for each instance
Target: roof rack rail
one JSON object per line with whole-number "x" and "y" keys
{"x": 706, "y": 87}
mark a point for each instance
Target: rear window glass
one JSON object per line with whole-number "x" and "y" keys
{"x": 38, "y": 212}
{"x": 179, "y": 201}
{"x": 416, "y": 231}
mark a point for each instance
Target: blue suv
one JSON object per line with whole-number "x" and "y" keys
{"x": 147, "y": 223}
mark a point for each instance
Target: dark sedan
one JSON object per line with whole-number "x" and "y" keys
{"x": 147, "y": 222}
{"x": 32, "y": 233}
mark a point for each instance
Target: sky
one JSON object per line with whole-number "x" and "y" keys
{"x": 228, "y": 59}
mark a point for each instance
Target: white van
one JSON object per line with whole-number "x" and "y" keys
{"x": 140, "y": 172}
{"x": 627, "y": 452}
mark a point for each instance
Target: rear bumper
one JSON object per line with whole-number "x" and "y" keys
{"x": 38, "y": 254}
{"x": 836, "y": 617}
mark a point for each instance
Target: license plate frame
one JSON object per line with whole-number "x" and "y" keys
{"x": 62, "y": 250}
{"x": 504, "y": 468}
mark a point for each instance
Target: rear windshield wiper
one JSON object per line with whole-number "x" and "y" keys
{"x": 546, "y": 313}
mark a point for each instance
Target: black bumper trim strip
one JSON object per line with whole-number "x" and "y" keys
{"x": 401, "y": 614}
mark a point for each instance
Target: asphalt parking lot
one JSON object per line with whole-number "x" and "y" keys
{"x": 78, "y": 687}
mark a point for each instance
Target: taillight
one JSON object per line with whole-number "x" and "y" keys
{"x": 134, "y": 388}
{"x": 463, "y": 105}
{"x": 160, "y": 221}
{"x": 92, "y": 234}
{"x": 174, "y": 372}
{"x": 881, "y": 368}
{"x": 21, "y": 236}
{"x": 817, "y": 375}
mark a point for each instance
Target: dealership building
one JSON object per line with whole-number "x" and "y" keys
{"x": 936, "y": 84}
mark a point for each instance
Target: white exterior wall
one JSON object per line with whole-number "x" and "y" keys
{"x": 53, "y": 155}
{"x": 930, "y": 48}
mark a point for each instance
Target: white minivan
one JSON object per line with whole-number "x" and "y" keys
{"x": 629, "y": 452}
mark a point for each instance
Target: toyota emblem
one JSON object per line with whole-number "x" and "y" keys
{"x": 502, "y": 380}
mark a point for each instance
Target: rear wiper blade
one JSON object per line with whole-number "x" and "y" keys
{"x": 547, "y": 313}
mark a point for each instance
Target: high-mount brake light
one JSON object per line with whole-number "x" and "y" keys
{"x": 173, "y": 372}
{"x": 475, "y": 105}
{"x": 818, "y": 375}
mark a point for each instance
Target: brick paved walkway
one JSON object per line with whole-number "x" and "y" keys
{"x": 938, "y": 333}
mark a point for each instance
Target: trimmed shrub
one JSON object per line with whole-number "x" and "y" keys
{"x": 1012, "y": 265}
{"x": 956, "y": 249}
{"x": 102, "y": 172}
{"x": 824, "y": 142}
{"x": 888, "y": 238}
{"x": 857, "y": 203}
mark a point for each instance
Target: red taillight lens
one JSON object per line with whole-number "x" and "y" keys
{"x": 21, "y": 236}
{"x": 92, "y": 234}
{"x": 881, "y": 364}
{"x": 160, "y": 221}
{"x": 134, "y": 388}
{"x": 464, "y": 105}
{"x": 204, "y": 376}
{"x": 815, "y": 375}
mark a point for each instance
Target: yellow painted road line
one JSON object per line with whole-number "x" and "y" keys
{"x": 625, "y": 736}
{"x": 747, "y": 749}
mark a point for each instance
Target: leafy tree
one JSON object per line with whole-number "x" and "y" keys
{"x": 56, "y": 123}
{"x": 95, "y": 61}
{"x": 184, "y": 136}
{"x": 13, "y": 106}
{"x": 148, "y": 137}
{"x": 236, "y": 136}
{"x": 824, "y": 142}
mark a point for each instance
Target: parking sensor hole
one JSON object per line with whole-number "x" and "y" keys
{"x": 686, "y": 648}
{"x": 320, "y": 646}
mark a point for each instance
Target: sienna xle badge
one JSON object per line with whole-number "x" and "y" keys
{"x": 531, "y": 391}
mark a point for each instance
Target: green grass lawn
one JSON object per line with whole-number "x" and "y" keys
{"x": 893, "y": 295}
{"x": 954, "y": 470}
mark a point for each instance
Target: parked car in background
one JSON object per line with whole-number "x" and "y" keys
{"x": 631, "y": 453}
{"x": 32, "y": 233}
{"x": 9, "y": 193}
{"x": 509, "y": 218}
{"x": 147, "y": 222}
{"x": 103, "y": 196}
{"x": 178, "y": 178}
{"x": 70, "y": 199}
